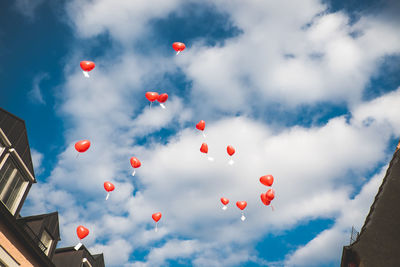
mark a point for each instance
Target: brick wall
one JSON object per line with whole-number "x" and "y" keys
{"x": 15, "y": 248}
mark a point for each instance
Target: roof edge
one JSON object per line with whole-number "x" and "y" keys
{"x": 372, "y": 208}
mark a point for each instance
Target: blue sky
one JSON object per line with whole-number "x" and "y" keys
{"x": 306, "y": 92}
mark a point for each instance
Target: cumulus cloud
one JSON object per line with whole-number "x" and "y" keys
{"x": 181, "y": 183}
{"x": 296, "y": 55}
{"x": 37, "y": 159}
{"x": 328, "y": 245}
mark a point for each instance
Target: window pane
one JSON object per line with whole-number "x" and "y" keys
{"x": 46, "y": 240}
{"x": 1, "y": 151}
{"x": 14, "y": 191}
{"x": 5, "y": 172}
{"x": 12, "y": 184}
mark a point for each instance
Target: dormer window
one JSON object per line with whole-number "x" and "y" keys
{"x": 46, "y": 241}
{"x": 12, "y": 184}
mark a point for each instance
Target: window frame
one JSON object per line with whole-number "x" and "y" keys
{"x": 13, "y": 208}
{"x": 7, "y": 259}
{"x": 2, "y": 147}
{"x": 8, "y": 146}
{"x": 49, "y": 244}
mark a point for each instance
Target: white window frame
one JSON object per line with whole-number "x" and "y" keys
{"x": 22, "y": 190}
{"x": 15, "y": 155}
{"x": 2, "y": 147}
{"x": 48, "y": 244}
{"x": 7, "y": 259}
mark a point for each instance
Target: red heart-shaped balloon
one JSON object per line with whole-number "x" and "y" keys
{"x": 156, "y": 216}
{"x": 152, "y": 96}
{"x": 204, "y": 148}
{"x": 177, "y": 46}
{"x": 201, "y": 125}
{"x": 162, "y": 98}
{"x": 230, "y": 150}
{"x": 82, "y": 232}
{"x": 224, "y": 200}
{"x": 270, "y": 194}
{"x": 82, "y": 146}
{"x": 109, "y": 186}
{"x": 135, "y": 162}
{"x": 241, "y": 204}
{"x": 87, "y": 65}
{"x": 264, "y": 199}
{"x": 267, "y": 180}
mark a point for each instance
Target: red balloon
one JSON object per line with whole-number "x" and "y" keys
{"x": 82, "y": 146}
{"x": 230, "y": 150}
{"x": 87, "y": 65}
{"x": 201, "y": 125}
{"x": 178, "y": 47}
{"x": 162, "y": 98}
{"x": 270, "y": 194}
{"x": 204, "y": 148}
{"x": 241, "y": 204}
{"x": 267, "y": 180}
{"x": 135, "y": 162}
{"x": 109, "y": 186}
{"x": 264, "y": 199}
{"x": 156, "y": 216}
{"x": 152, "y": 96}
{"x": 224, "y": 201}
{"x": 82, "y": 232}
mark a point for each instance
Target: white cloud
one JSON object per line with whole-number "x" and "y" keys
{"x": 35, "y": 94}
{"x": 328, "y": 245}
{"x": 95, "y": 17}
{"x": 325, "y": 62}
{"x": 37, "y": 159}
{"x": 311, "y": 165}
{"x": 178, "y": 181}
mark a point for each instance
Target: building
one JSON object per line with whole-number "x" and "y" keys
{"x": 378, "y": 243}
{"x": 32, "y": 240}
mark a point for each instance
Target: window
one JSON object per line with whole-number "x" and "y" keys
{"x": 6, "y": 260}
{"x": 2, "y": 147}
{"x": 46, "y": 240}
{"x": 12, "y": 184}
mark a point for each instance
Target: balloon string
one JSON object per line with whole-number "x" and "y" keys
{"x": 230, "y": 162}
{"x": 162, "y": 105}
{"x": 156, "y": 227}
{"x": 133, "y": 173}
{"x": 204, "y": 135}
{"x": 108, "y": 194}
{"x": 272, "y": 207}
{"x": 78, "y": 246}
{"x": 224, "y": 207}
{"x": 150, "y": 104}
{"x": 77, "y": 155}
{"x": 86, "y": 74}
{"x": 177, "y": 53}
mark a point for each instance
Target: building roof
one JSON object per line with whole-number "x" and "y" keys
{"x": 378, "y": 243}
{"x": 30, "y": 242}
{"x": 48, "y": 221}
{"x": 15, "y": 130}
{"x": 68, "y": 256}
